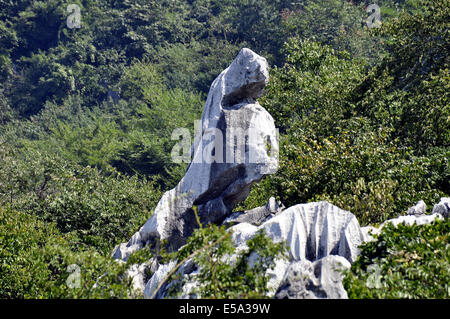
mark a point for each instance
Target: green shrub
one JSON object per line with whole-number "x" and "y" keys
{"x": 403, "y": 262}
{"x": 372, "y": 144}
{"x": 219, "y": 277}
{"x": 35, "y": 259}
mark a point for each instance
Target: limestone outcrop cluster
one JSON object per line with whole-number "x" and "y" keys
{"x": 322, "y": 239}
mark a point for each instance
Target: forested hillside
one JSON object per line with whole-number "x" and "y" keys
{"x": 87, "y": 114}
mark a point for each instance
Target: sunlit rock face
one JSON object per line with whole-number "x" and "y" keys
{"x": 311, "y": 231}
{"x": 236, "y": 146}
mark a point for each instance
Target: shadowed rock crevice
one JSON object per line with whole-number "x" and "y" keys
{"x": 221, "y": 182}
{"x": 244, "y": 95}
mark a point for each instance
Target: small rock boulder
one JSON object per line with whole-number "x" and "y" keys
{"x": 419, "y": 209}
{"x": 321, "y": 279}
{"x": 443, "y": 207}
{"x": 258, "y": 215}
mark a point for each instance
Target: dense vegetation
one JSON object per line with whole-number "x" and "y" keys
{"x": 37, "y": 262}
{"x": 86, "y": 117}
{"x": 404, "y": 262}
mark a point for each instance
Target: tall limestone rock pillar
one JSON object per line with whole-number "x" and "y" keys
{"x": 236, "y": 146}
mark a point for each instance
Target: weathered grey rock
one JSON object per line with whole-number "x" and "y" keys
{"x": 258, "y": 215}
{"x": 408, "y": 220}
{"x": 276, "y": 276}
{"x": 182, "y": 287}
{"x": 275, "y": 207}
{"x": 235, "y": 147}
{"x": 322, "y": 239}
{"x": 185, "y": 287}
{"x": 243, "y": 232}
{"x": 369, "y": 232}
{"x": 443, "y": 207}
{"x": 314, "y": 280}
{"x": 419, "y": 209}
{"x": 311, "y": 231}
{"x": 300, "y": 282}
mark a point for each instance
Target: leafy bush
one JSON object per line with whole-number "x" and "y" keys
{"x": 357, "y": 169}
{"x": 336, "y": 23}
{"x": 312, "y": 86}
{"x": 35, "y": 259}
{"x": 369, "y": 135}
{"x": 403, "y": 262}
{"x": 133, "y": 136}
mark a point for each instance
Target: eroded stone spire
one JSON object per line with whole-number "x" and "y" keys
{"x": 236, "y": 146}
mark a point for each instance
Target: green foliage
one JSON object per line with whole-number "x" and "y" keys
{"x": 313, "y": 84}
{"x": 403, "y": 262}
{"x": 35, "y": 258}
{"x": 44, "y": 79}
{"x": 409, "y": 91}
{"x": 6, "y": 113}
{"x": 363, "y": 115}
{"x": 99, "y": 210}
{"x": 336, "y": 23}
{"x": 132, "y": 136}
{"x": 358, "y": 170}
{"x": 373, "y": 143}
{"x": 192, "y": 41}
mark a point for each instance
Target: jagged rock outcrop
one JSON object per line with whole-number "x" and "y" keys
{"x": 159, "y": 275}
{"x": 314, "y": 280}
{"x": 322, "y": 239}
{"x": 139, "y": 273}
{"x": 311, "y": 231}
{"x": 235, "y": 147}
{"x": 415, "y": 215}
{"x": 187, "y": 270}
